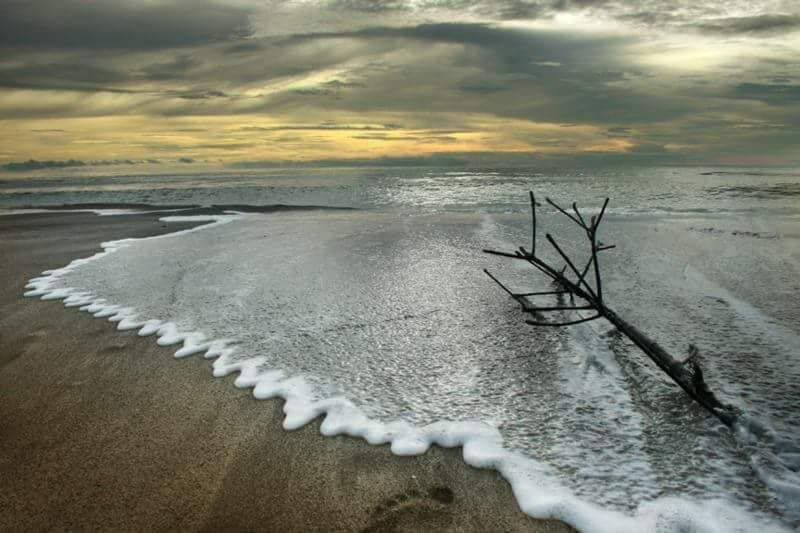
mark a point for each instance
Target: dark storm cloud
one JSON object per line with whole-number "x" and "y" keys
{"x": 312, "y": 92}
{"x": 339, "y": 84}
{"x": 618, "y": 132}
{"x": 514, "y": 51}
{"x": 425, "y": 63}
{"x": 512, "y": 47}
{"x": 202, "y": 95}
{"x": 109, "y": 24}
{"x": 370, "y": 6}
{"x": 174, "y": 69}
{"x": 244, "y": 47}
{"x": 465, "y": 33}
{"x": 774, "y": 94}
{"x": 504, "y": 71}
{"x": 255, "y": 61}
{"x": 766, "y": 24}
{"x": 85, "y": 77}
{"x": 482, "y": 88}
{"x": 63, "y": 76}
{"x": 329, "y": 88}
{"x": 87, "y": 72}
{"x": 507, "y": 59}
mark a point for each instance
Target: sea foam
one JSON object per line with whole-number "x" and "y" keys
{"x": 535, "y": 484}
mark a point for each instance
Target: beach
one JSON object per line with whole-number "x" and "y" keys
{"x": 101, "y": 429}
{"x": 347, "y": 265}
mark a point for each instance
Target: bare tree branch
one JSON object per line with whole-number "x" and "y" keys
{"x": 547, "y": 309}
{"x": 562, "y": 324}
{"x": 533, "y": 223}
{"x": 575, "y": 220}
{"x": 499, "y": 283}
{"x": 578, "y": 214}
{"x": 543, "y": 293}
{"x": 568, "y": 261}
{"x": 686, "y": 373}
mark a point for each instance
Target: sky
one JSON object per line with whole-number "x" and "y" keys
{"x": 261, "y": 83}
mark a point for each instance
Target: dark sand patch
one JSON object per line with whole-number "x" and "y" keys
{"x": 106, "y": 430}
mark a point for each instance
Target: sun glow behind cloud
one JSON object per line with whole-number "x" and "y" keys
{"x": 224, "y": 83}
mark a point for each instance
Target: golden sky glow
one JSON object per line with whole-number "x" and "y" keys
{"x": 243, "y": 82}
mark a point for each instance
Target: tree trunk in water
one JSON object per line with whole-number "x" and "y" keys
{"x": 686, "y": 374}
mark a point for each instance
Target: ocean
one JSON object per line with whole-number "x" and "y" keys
{"x": 380, "y": 318}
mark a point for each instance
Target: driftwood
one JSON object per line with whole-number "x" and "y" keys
{"x": 575, "y": 283}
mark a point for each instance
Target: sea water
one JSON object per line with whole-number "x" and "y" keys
{"x": 381, "y": 319}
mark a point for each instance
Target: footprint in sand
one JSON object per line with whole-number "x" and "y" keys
{"x": 413, "y": 510}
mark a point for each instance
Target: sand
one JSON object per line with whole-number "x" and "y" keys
{"x": 106, "y": 430}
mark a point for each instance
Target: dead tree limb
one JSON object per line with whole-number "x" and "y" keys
{"x": 573, "y": 281}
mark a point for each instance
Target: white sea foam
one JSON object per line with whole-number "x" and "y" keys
{"x": 776, "y": 467}
{"x": 535, "y": 484}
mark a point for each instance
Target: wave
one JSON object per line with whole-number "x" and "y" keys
{"x": 535, "y": 485}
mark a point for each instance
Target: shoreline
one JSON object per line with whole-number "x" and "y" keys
{"x": 105, "y": 429}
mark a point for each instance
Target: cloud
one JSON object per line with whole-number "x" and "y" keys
{"x": 651, "y": 153}
{"x": 482, "y": 88}
{"x": 492, "y": 9}
{"x": 773, "y": 94}
{"x": 174, "y": 69}
{"x": 423, "y": 139}
{"x": 369, "y": 6}
{"x": 72, "y": 76}
{"x": 758, "y": 24}
{"x": 513, "y": 50}
{"x": 244, "y": 47}
{"x": 472, "y": 33}
{"x": 33, "y": 164}
{"x": 480, "y": 60}
{"x": 323, "y": 127}
{"x": 202, "y": 95}
{"x": 619, "y": 131}
{"x": 358, "y": 78}
{"x": 120, "y": 24}
{"x": 433, "y": 160}
{"x": 504, "y": 71}
{"x": 715, "y": 15}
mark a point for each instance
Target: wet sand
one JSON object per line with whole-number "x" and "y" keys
{"x": 101, "y": 429}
